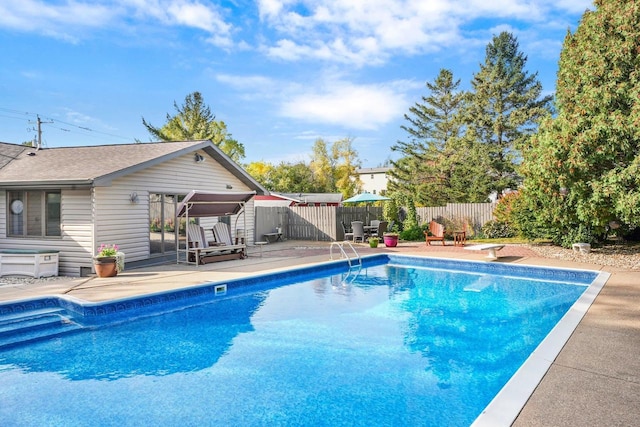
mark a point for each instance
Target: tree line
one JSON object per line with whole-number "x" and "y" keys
{"x": 570, "y": 166}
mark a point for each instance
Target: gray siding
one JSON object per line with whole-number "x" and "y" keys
{"x": 107, "y": 215}
{"x": 3, "y": 214}
{"x": 75, "y": 243}
{"x": 178, "y": 176}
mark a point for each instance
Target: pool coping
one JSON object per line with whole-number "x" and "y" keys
{"x": 505, "y": 407}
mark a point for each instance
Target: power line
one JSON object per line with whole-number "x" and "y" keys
{"x": 83, "y": 130}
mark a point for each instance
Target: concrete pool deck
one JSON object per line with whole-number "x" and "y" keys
{"x": 595, "y": 380}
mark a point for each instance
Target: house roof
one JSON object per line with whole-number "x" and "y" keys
{"x": 312, "y": 197}
{"x": 97, "y": 165}
{"x": 363, "y": 171}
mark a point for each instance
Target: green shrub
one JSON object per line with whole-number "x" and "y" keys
{"x": 412, "y": 234}
{"x": 580, "y": 234}
{"x": 497, "y": 230}
{"x": 456, "y": 224}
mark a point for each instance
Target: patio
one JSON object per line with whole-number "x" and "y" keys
{"x": 594, "y": 381}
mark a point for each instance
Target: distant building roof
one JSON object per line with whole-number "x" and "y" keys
{"x": 372, "y": 170}
{"x": 313, "y": 197}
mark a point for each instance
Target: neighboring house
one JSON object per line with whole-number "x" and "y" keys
{"x": 73, "y": 199}
{"x": 298, "y": 199}
{"x": 374, "y": 180}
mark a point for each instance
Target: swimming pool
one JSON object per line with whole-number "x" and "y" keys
{"x": 404, "y": 341}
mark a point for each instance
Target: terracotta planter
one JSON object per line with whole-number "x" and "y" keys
{"x": 390, "y": 241}
{"x": 105, "y": 266}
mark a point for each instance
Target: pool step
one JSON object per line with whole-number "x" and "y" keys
{"x": 35, "y": 325}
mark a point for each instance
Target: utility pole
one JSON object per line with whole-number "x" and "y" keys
{"x": 39, "y": 130}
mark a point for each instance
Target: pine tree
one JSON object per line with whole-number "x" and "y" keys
{"x": 504, "y": 108}
{"x": 433, "y": 126}
{"x": 582, "y": 171}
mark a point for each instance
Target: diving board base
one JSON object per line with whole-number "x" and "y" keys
{"x": 490, "y": 248}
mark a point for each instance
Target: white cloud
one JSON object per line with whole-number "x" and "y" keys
{"x": 370, "y": 31}
{"x": 53, "y": 19}
{"x": 77, "y": 117}
{"x": 69, "y": 19}
{"x": 331, "y": 100}
{"x": 574, "y": 6}
{"x": 363, "y": 107}
{"x": 246, "y": 82}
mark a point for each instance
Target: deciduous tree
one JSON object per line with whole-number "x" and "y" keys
{"x": 322, "y": 167}
{"x": 195, "y": 121}
{"x": 346, "y": 163}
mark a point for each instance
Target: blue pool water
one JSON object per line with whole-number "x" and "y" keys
{"x": 401, "y": 343}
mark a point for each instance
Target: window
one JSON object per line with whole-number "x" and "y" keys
{"x": 33, "y": 213}
{"x": 372, "y": 176}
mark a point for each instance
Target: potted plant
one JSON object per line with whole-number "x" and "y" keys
{"x": 390, "y": 239}
{"x": 373, "y": 242}
{"x": 108, "y": 261}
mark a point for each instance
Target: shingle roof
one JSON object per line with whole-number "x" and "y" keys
{"x": 314, "y": 197}
{"x": 88, "y": 165}
{"x": 363, "y": 171}
{"x": 9, "y": 152}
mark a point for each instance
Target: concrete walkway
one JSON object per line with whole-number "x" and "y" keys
{"x": 595, "y": 381}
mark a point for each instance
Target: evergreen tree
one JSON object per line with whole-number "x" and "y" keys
{"x": 435, "y": 167}
{"x": 582, "y": 171}
{"x": 195, "y": 121}
{"x": 504, "y": 108}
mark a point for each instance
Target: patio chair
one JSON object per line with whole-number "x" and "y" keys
{"x": 348, "y": 234}
{"x": 222, "y": 233}
{"x": 382, "y": 227}
{"x": 358, "y": 230}
{"x": 436, "y": 232}
{"x": 390, "y": 226}
{"x": 196, "y": 237}
{"x": 375, "y": 222}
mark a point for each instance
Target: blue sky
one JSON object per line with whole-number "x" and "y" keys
{"x": 279, "y": 73}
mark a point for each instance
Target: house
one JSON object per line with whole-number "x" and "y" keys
{"x": 374, "y": 180}
{"x": 73, "y": 199}
{"x": 298, "y": 199}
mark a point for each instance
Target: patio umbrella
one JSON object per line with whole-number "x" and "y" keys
{"x": 365, "y": 198}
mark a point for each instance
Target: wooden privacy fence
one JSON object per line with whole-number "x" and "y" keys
{"x": 477, "y": 214}
{"x": 322, "y": 223}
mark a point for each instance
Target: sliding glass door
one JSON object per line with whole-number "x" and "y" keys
{"x": 164, "y": 233}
